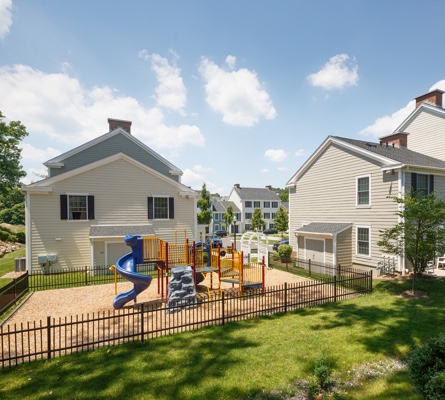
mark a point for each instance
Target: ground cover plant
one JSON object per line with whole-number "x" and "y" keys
{"x": 264, "y": 358}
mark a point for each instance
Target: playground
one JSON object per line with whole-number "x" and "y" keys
{"x": 95, "y": 299}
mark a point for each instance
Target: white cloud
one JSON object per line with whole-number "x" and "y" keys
{"x": 58, "y": 107}
{"x": 237, "y": 95}
{"x": 171, "y": 92}
{"x": 300, "y": 153}
{"x": 340, "y": 71}
{"x": 387, "y": 124}
{"x": 196, "y": 176}
{"x": 231, "y": 61}
{"x": 5, "y": 17}
{"x": 265, "y": 170}
{"x": 278, "y": 155}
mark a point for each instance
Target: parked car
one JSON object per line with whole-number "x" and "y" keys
{"x": 216, "y": 241}
{"x": 270, "y": 231}
{"x": 278, "y": 244}
{"x": 221, "y": 233}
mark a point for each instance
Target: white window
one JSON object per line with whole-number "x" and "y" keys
{"x": 77, "y": 207}
{"x": 363, "y": 241}
{"x": 275, "y": 204}
{"x": 266, "y": 215}
{"x": 266, "y": 204}
{"x": 248, "y": 215}
{"x": 364, "y": 191}
{"x": 422, "y": 184}
{"x": 248, "y": 204}
{"x": 257, "y": 204}
{"x": 161, "y": 207}
{"x": 216, "y": 216}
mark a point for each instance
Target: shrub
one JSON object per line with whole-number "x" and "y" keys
{"x": 6, "y": 235}
{"x": 425, "y": 363}
{"x": 323, "y": 372}
{"x": 284, "y": 251}
{"x": 435, "y": 387}
{"x": 21, "y": 237}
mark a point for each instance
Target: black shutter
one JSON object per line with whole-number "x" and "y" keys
{"x": 150, "y": 207}
{"x": 90, "y": 207}
{"x": 431, "y": 188}
{"x": 171, "y": 207}
{"x": 63, "y": 206}
{"x": 413, "y": 181}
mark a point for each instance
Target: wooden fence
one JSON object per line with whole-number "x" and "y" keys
{"x": 59, "y": 336}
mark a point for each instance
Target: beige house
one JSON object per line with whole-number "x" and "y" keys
{"x": 339, "y": 197}
{"x": 97, "y": 193}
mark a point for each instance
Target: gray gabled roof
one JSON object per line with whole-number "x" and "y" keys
{"x": 399, "y": 154}
{"x": 245, "y": 193}
{"x": 103, "y": 231}
{"x": 323, "y": 228}
{"x": 221, "y": 206}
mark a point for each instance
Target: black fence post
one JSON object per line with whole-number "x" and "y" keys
{"x": 142, "y": 323}
{"x": 223, "y": 309}
{"x": 309, "y": 267}
{"x": 86, "y": 276}
{"x": 48, "y": 333}
{"x": 285, "y": 297}
{"x": 370, "y": 281}
{"x": 335, "y": 288}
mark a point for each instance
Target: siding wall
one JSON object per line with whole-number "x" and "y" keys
{"x": 120, "y": 192}
{"x": 119, "y": 143}
{"x": 427, "y": 134}
{"x": 326, "y": 192}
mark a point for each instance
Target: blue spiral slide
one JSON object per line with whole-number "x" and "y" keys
{"x": 126, "y": 266}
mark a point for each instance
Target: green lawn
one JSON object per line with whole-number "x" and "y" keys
{"x": 250, "y": 359}
{"x": 7, "y": 264}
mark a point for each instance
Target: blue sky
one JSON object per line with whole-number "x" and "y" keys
{"x": 229, "y": 91}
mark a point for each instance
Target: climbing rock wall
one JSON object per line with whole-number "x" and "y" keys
{"x": 181, "y": 289}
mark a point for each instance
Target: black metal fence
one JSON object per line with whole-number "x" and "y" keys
{"x": 59, "y": 336}
{"x": 81, "y": 276}
{"x": 12, "y": 292}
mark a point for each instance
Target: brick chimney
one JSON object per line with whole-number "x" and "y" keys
{"x": 396, "y": 140}
{"x": 237, "y": 186}
{"x": 268, "y": 187}
{"x": 119, "y": 123}
{"x": 434, "y": 97}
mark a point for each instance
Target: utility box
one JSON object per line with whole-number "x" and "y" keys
{"x": 20, "y": 264}
{"x": 42, "y": 259}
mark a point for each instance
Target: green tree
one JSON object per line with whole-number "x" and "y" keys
{"x": 257, "y": 221}
{"x": 283, "y": 194}
{"x": 205, "y": 207}
{"x": 281, "y": 220}
{"x": 228, "y": 216}
{"x": 420, "y": 236}
{"x": 10, "y": 169}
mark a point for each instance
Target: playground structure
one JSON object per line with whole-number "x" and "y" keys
{"x": 211, "y": 266}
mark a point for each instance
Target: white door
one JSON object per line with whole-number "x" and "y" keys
{"x": 114, "y": 251}
{"x": 315, "y": 250}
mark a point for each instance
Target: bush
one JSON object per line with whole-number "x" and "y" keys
{"x": 427, "y": 365}
{"x": 6, "y": 235}
{"x": 323, "y": 372}
{"x": 284, "y": 251}
{"x": 21, "y": 237}
{"x": 435, "y": 388}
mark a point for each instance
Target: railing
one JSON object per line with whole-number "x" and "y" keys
{"x": 55, "y": 337}
{"x": 13, "y": 291}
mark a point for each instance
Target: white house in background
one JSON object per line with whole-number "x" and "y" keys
{"x": 97, "y": 193}
{"x": 339, "y": 197}
{"x": 248, "y": 199}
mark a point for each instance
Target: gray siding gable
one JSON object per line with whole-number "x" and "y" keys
{"x": 256, "y": 194}
{"x": 109, "y": 144}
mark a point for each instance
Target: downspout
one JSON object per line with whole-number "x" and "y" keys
{"x": 334, "y": 251}
{"x": 28, "y": 233}
{"x": 401, "y": 192}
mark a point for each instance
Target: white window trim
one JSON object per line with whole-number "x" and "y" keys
{"x": 369, "y": 205}
{"x": 367, "y": 256}
{"x": 160, "y": 196}
{"x": 68, "y": 206}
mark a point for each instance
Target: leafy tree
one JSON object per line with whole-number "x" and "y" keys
{"x": 10, "y": 169}
{"x": 257, "y": 221}
{"x": 205, "y": 206}
{"x": 228, "y": 216}
{"x": 281, "y": 220}
{"x": 283, "y": 194}
{"x": 420, "y": 236}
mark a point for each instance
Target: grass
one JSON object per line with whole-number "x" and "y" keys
{"x": 7, "y": 261}
{"x": 249, "y": 359}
